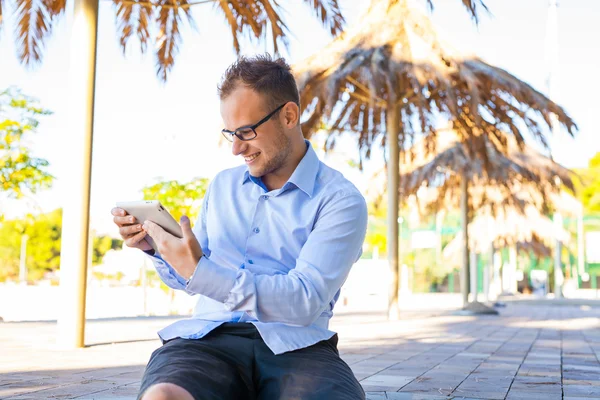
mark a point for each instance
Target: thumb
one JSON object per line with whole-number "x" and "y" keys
{"x": 186, "y": 227}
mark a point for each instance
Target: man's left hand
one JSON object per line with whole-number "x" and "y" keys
{"x": 182, "y": 254}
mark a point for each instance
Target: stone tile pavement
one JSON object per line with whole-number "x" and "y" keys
{"x": 531, "y": 351}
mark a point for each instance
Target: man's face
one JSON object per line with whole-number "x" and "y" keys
{"x": 267, "y": 153}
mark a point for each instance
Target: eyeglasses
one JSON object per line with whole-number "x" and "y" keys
{"x": 248, "y": 132}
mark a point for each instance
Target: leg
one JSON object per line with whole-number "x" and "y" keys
{"x": 166, "y": 391}
{"x": 316, "y": 372}
{"x": 215, "y": 367}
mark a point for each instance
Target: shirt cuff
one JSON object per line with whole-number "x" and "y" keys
{"x": 212, "y": 280}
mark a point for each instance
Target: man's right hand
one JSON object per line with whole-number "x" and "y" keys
{"x": 130, "y": 229}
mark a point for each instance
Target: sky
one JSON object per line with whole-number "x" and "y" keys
{"x": 146, "y": 130}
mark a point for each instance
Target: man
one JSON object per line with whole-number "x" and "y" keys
{"x": 273, "y": 245}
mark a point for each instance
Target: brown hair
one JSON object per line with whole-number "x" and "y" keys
{"x": 271, "y": 78}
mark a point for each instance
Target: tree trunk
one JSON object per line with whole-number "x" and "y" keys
{"x": 393, "y": 195}
{"x": 464, "y": 208}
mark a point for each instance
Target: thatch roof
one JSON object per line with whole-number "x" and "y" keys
{"x": 529, "y": 230}
{"x": 259, "y": 19}
{"x": 394, "y": 58}
{"x": 521, "y": 176}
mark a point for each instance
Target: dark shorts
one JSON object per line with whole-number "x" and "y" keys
{"x": 233, "y": 362}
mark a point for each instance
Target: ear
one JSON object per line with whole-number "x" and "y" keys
{"x": 291, "y": 115}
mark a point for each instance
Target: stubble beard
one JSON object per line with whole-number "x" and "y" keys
{"x": 284, "y": 144}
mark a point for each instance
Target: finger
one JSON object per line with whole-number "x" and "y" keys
{"x": 156, "y": 232}
{"x": 125, "y": 221}
{"x": 118, "y": 212}
{"x": 130, "y": 230}
{"x": 134, "y": 240}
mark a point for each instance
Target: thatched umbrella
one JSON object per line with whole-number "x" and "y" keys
{"x": 390, "y": 78}
{"x": 505, "y": 183}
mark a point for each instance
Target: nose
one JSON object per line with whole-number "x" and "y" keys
{"x": 239, "y": 146}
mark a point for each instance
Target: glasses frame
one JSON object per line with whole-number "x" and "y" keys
{"x": 229, "y": 134}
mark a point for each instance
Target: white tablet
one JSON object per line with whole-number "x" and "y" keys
{"x": 152, "y": 210}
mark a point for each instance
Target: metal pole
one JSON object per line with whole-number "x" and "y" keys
{"x": 464, "y": 208}
{"x": 23, "y": 259}
{"x": 487, "y": 271}
{"x": 75, "y": 227}
{"x": 393, "y": 200}
{"x": 558, "y": 274}
{"x": 511, "y": 283}
{"x": 474, "y": 275}
{"x": 580, "y": 243}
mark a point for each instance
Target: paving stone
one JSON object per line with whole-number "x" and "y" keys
{"x": 387, "y": 380}
{"x": 516, "y": 395}
{"x": 582, "y": 390}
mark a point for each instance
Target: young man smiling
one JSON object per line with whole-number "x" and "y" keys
{"x": 274, "y": 243}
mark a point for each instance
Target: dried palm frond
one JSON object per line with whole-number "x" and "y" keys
{"x": 257, "y": 18}
{"x": 470, "y": 5}
{"x": 528, "y": 230}
{"x": 394, "y": 58}
{"x": 336, "y": 22}
{"x": 34, "y": 21}
{"x": 32, "y": 28}
{"x": 523, "y": 176}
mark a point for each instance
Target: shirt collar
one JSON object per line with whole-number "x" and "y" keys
{"x": 304, "y": 175}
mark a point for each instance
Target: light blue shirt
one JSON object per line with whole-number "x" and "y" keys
{"x": 276, "y": 259}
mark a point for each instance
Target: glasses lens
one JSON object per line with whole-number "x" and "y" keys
{"x": 227, "y": 135}
{"x": 245, "y": 133}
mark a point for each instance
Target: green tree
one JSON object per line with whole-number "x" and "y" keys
{"x": 20, "y": 171}
{"x": 43, "y": 245}
{"x": 588, "y": 189}
{"x": 178, "y": 198}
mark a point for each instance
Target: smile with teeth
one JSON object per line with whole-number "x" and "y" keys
{"x": 251, "y": 157}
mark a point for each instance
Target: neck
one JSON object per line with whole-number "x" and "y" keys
{"x": 278, "y": 178}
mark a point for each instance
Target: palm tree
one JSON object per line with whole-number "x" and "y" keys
{"x": 391, "y": 79}
{"x": 504, "y": 183}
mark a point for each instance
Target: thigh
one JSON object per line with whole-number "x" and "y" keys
{"x": 316, "y": 372}
{"x": 214, "y": 367}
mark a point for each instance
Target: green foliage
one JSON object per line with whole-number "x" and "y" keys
{"x": 178, "y": 198}
{"x": 102, "y": 244}
{"x": 588, "y": 190}
{"x": 43, "y": 234}
{"x": 20, "y": 172}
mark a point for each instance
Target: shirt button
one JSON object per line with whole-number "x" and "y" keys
{"x": 250, "y": 262}
{"x": 242, "y": 266}
{"x": 256, "y": 230}
{"x": 265, "y": 197}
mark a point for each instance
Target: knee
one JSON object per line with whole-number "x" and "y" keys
{"x": 166, "y": 391}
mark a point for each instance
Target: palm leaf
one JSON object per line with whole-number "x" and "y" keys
{"x": 169, "y": 37}
{"x": 124, "y": 15}
{"x": 33, "y": 25}
{"x": 322, "y": 11}
{"x": 470, "y": 5}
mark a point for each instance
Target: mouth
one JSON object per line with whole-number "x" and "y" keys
{"x": 249, "y": 159}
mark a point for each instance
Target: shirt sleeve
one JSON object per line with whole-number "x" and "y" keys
{"x": 299, "y": 297}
